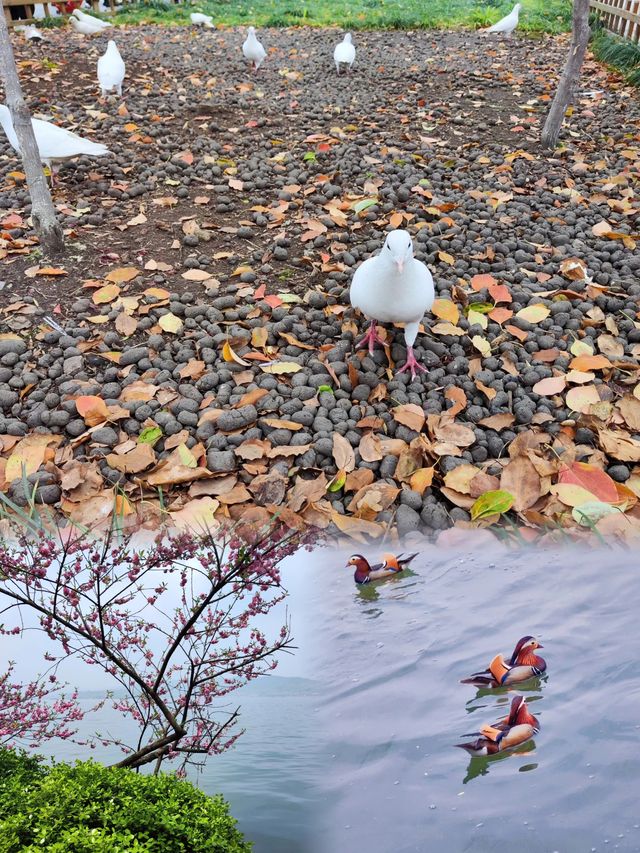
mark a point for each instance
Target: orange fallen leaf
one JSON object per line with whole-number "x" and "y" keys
{"x": 122, "y": 274}
{"x": 105, "y": 294}
{"x": 93, "y": 409}
{"x": 590, "y": 362}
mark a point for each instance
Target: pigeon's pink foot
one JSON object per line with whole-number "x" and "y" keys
{"x": 370, "y": 339}
{"x": 412, "y": 364}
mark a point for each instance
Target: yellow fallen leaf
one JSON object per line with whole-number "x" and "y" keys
{"x": 447, "y": 329}
{"x": 579, "y": 348}
{"x": 445, "y": 309}
{"x": 421, "y": 479}
{"x": 228, "y": 354}
{"x": 572, "y": 495}
{"x": 476, "y": 318}
{"x": 29, "y": 454}
{"x": 533, "y": 313}
{"x": 197, "y": 514}
{"x": 259, "y": 336}
{"x": 170, "y": 323}
{"x": 186, "y": 456}
{"x": 482, "y": 345}
{"x": 281, "y": 367}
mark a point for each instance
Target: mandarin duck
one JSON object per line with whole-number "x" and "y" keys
{"x": 523, "y": 664}
{"x": 518, "y": 727}
{"x": 393, "y": 287}
{"x": 390, "y": 565}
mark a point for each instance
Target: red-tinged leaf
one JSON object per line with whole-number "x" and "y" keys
{"x": 93, "y": 409}
{"x": 550, "y": 386}
{"x": 185, "y": 157}
{"x": 479, "y": 282}
{"x": 500, "y": 293}
{"x": 581, "y": 399}
{"x": 517, "y": 333}
{"x": 260, "y": 291}
{"x": 273, "y": 300}
{"x": 499, "y": 315}
{"x": 591, "y": 478}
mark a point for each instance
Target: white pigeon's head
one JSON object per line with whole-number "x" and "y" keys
{"x": 77, "y": 13}
{"x": 398, "y": 248}
{"x": 251, "y": 31}
{"x": 517, "y": 7}
{"x": 347, "y": 38}
{"x": 111, "y": 45}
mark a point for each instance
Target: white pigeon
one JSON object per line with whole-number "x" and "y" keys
{"x": 201, "y": 20}
{"x": 111, "y": 70}
{"x": 84, "y": 27}
{"x": 30, "y": 32}
{"x": 38, "y": 12}
{"x": 55, "y": 144}
{"x": 507, "y": 24}
{"x": 253, "y": 50}
{"x": 344, "y": 53}
{"x": 394, "y": 287}
{"x": 90, "y": 19}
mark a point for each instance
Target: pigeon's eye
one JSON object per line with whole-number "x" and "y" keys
{"x": 388, "y": 247}
{"x": 409, "y": 246}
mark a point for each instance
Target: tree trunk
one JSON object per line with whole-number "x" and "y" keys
{"x": 43, "y": 213}
{"x": 569, "y": 80}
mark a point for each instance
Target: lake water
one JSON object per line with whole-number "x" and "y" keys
{"x": 395, "y": 706}
{"x": 350, "y": 747}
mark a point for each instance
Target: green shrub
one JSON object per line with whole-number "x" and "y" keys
{"x": 94, "y": 809}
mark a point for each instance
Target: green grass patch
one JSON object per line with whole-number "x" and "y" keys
{"x": 536, "y": 16}
{"x": 617, "y": 53}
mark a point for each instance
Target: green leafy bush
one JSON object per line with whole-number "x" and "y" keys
{"x": 89, "y": 808}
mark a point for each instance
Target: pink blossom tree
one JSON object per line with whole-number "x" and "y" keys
{"x": 173, "y": 626}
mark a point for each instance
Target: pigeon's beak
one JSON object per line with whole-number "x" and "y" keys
{"x": 400, "y": 265}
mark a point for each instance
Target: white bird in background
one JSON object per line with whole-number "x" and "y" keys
{"x": 344, "y": 53}
{"x": 201, "y": 20}
{"x": 394, "y": 287}
{"x": 30, "y": 32}
{"x": 507, "y": 24}
{"x": 83, "y": 27}
{"x": 253, "y": 49}
{"x": 55, "y": 144}
{"x": 90, "y": 20}
{"x": 38, "y": 12}
{"x": 111, "y": 70}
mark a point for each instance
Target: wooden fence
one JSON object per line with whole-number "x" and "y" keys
{"x": 621, "y": 17}
{"x": 19, "y": 12}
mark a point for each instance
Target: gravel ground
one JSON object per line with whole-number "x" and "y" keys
{"x": 236, "y": 197}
